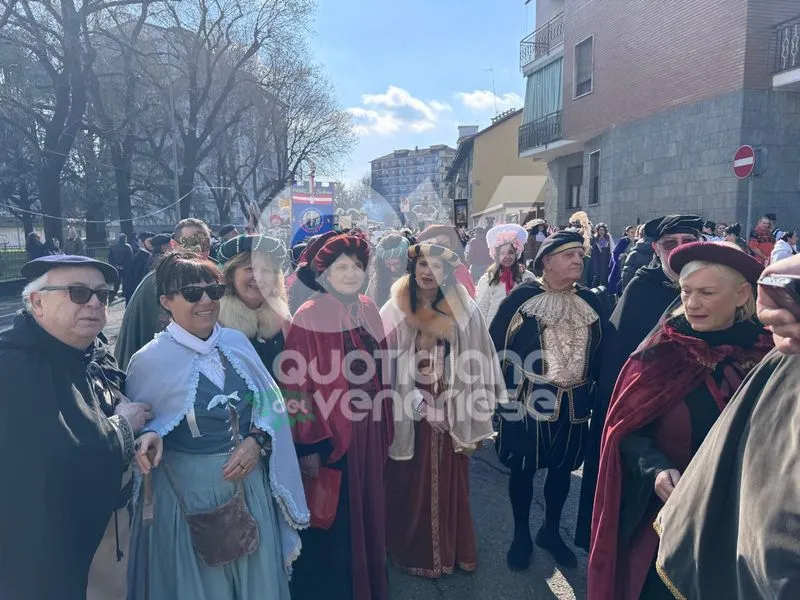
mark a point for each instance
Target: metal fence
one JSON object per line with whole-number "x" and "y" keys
{"x": 542, "y": 41}
{"x": 540, "y": 132}
{"x": 12, "y": 259}
{"x": 787, "y": 47}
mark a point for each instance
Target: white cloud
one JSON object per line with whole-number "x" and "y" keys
{"x": 483, "y": 100}
{"x": 393, "y": 110}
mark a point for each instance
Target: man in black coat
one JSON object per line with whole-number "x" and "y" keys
{"x": 66, "y": 431}
{"x": 139, "y": 264}
{"x": 547, "y": 333}
{"x": 652, "y": 290}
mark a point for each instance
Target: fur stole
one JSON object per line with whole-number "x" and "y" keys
{"x": 441, "y": 322}
{"x": 264, "y": 322}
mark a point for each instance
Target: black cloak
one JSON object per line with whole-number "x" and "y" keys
{"x": 731, "y": 528}
{"x": 63, "y": 461}
{"x": 638, "y": 311}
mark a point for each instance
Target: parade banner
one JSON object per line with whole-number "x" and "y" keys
{"x": 312, "y": 209}
{"x": 460, "y": 213}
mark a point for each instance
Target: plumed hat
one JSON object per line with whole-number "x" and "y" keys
{"x": 507, "y": 233}
{"x": 722, "y": 253}
{"x": 556, "y": 243}
{"x": 334, "y": 247}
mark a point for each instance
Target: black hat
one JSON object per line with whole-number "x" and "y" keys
{"x": 670, "y": 224}
{"x": 556, "y": 243}
{"x": 710, "y": 224}
{"x": 145, "y": 235}
{"x": 40, "y": 266}
{"x": 160, "y": 239}
{"x": 249, "y": 243}
{"x": 225, "y": 230}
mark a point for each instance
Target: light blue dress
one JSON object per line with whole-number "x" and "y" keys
{"x": 176, "y": 572}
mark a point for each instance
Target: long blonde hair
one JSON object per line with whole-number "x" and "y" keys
{"x": 747, "y": 311}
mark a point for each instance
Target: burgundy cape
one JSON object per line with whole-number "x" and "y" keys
{"x": 656, "y": 378}
{"x": 317, "y": 334}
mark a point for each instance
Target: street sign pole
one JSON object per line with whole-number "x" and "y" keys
{"x": 749, "y": 204}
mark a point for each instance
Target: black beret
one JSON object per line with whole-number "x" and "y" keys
{"x": 40, "y": 266}
{"x": 160, "y": 239}
{"x": 558, "y": 242}
{"x": 669, "y": 224}
{"x": 145, "y": 235}
{"x": 721, "y": 253}
{"x": 251, "y": 243}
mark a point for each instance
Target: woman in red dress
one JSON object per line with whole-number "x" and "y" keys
{"x": 332, "y": 366}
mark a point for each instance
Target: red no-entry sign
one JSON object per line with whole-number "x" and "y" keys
{"x": 744, "y": 162}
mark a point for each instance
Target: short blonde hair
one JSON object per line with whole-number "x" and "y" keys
{"x": 747, "y": 311}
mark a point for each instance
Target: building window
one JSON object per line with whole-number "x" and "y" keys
{"x": 574, "y": 185}
{"x": 584, "y": 66}
{"x": 594, "y": 177}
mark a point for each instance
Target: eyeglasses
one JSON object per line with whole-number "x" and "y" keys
{"x": 80, "y": 294}
{"x": 193, "y": 293}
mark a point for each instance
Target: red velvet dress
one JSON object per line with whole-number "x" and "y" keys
{"x": 429, "y": 528}
{"x": 349, "y": 559}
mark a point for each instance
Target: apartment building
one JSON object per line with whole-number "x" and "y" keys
{"x": 638, "y": 107}
{"x": 416, "y": 175}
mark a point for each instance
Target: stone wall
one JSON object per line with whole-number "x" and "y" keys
{"x": 680, "y": 160}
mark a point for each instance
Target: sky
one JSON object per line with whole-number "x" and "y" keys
{"x": 410, "y": 72}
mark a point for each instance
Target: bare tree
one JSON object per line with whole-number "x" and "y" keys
{"x": 53, "y": 33}
{"x": 317, "y": 131}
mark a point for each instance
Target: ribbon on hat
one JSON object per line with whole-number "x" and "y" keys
{"x": 507, "y": 233}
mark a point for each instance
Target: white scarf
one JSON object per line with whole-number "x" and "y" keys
{"x": 210, "y": 362}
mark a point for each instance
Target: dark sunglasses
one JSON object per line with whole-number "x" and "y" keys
{"x": 193, "y": 293}
{"x": 80, "y": 294}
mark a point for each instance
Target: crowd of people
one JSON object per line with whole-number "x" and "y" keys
{"x": 283, "y": 422}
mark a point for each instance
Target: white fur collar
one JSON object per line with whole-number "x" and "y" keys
{"x": 264, "y": 322}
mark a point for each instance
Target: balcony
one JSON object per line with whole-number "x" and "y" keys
{"x": 540, "y": 133}
{"x": 787, "y": 55}
{"x": 542, "y": 42}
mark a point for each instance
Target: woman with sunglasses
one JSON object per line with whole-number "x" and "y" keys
{"x": 255, "y": 300}
{"x": 203, "y": 380}
{"x": 333, "y": 369}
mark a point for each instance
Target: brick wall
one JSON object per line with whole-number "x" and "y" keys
{"x": 650, "y": 56}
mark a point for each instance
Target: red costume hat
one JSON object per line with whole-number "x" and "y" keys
{"x": 720, "y": 253}
{"x": 334, "y": 247}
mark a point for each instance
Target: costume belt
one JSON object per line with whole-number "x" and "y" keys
{"x": 543, "y": 398}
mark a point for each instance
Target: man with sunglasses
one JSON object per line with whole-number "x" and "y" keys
{"x": 143, "y": 314}
{"x": 66, "y": 429}
{"x": 651, "y": 291}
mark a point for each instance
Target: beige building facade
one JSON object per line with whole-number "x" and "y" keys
{"x": 500, "y": 187}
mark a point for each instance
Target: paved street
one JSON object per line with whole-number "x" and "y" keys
{"x": 492, "y": 515}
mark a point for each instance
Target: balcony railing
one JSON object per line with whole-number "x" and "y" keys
{"x": 542, "y": 41}
{"x": 540, "y": 132}
{"x": 787, "y": 54}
